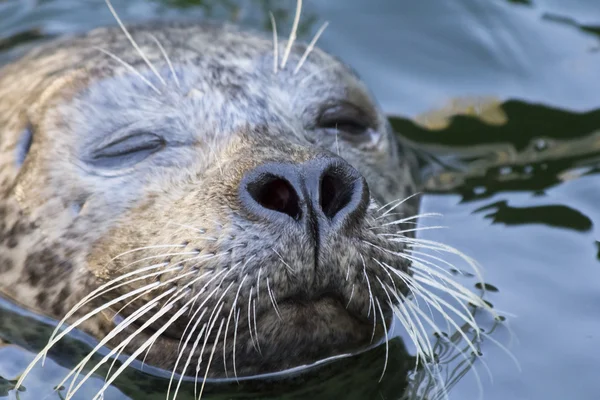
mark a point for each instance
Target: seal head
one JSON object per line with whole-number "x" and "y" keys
{"x": 199, "y": 201}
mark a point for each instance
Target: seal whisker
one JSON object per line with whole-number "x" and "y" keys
{"x": 289, "y": 268}
{"x": 120, "y": 327}
{"x": 256, "y": 326}
{"x": 408, "y": 326}
{"x": 258, "y": 284}
{"x": 133, "y": 42}
{"x": 409, "y": 311}
{"x": 273, "y": 300}
{"x": 162, "y": 246}
{"x": 386, "y": 272}
{"x": 434, "y": 300}
{"x": 315, "y": 73}
{"x": 402, "y": 300}
{"x": 143, "y": 346}
{"x": 462, "y": 291}
{"x": 212, "y": 353}
{"x": 237, "y": 319}
{"x": 168, "y": 305}
{"x": 201, "y": 231}
{"x": 387, "y": 346}
{"x": 371, "y": 302}
{"x": 275, "y": 44}
{"x": 229, "y": 271}
{"x": 200, "y": 306}
{"x": 438, "y": 259}
{"x": 310, "y": 47}
{"x": 78, "y": 322}
{"x": 129, "y": 67}
{"x": 436, "y": 305}
{"x": 102, "y": 290}
{"x": 407, "y": 280}
{"x": 249, "y": 318}
{"x": 189, "y": 359}
{"x": 211, "y": 320}
{"x": 394, "y": 204}
{"x": 430, "y": 244}
{"x": 233, "y": 306}
{"x": 411, "y": 218}
{"x": 183, "y": 253}
{"x": 196, "y": 318}
{"x": 293, "y": 33}
{"x": 139, "y": 296}
{"x": 350, "y": 298}
{"x": 150, "y": 321}
{"x": 418, "y": 265}
{"x": 412, "y": 230}
{"x": 166, "y": 56}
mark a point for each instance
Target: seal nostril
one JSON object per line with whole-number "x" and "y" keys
{"x": 335, "y": 193}
{"x": 276, "y": 194}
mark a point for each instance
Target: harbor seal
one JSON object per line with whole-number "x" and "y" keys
{"x": 203, "y": 197}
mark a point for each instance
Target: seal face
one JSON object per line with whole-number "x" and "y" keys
{"x": 199, "y": 200}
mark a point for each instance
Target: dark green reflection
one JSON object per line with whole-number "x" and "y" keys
{"x": 593, "y": 29}
{"x": 536, "y": 148}
{"x": 555, "y": 215}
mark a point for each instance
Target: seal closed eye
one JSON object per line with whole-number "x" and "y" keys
{"x": 232, "y": 218}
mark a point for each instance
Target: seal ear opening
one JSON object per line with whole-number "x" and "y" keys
{"x": 24, "y": 145}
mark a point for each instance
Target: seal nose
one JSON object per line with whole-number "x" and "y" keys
{"x": 326, "y": 193}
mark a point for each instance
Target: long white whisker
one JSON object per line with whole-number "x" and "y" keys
{"x": 189, "y": 336}
{"x": 350, "y": 298}
{"x": 249, "y": 319}
{"x": 212, "y": 319}
{"x": 275, "y": 44}
{"x": 166, "y": 56}
{"x": 212, "y": 353}
{"x": 237, "y": 319}
{"x": 411, "y": 218}
{"x": 142, "y": 347}
{"x": 273, "y": 301}
{"x": 310, "y": 47}
{"x": 256, "y": 326}
{"x": 233, "y": 306}
{"x": 395, "y": 204}
{"x": 119, "y": 328}
{"x": 387, "y": 349}
{"x": 133, "y": 43}
{"x": 129, "y": 67}
{"x": 293, "y": 33}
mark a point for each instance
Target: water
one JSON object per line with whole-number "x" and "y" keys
{"x": 515, "y": 174}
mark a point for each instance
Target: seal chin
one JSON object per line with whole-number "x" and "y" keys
{"x": 303, "y": 331}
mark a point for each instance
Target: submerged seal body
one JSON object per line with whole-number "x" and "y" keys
{"x": 202, "y": 197}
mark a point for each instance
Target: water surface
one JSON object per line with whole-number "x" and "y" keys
{"x": 502, "y": 99}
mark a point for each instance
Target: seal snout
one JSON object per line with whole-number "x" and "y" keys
{"x": 326, "y": 195}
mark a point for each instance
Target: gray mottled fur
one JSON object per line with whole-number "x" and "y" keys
{"x": 62, "y": 221}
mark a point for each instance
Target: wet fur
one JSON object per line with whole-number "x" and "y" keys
{"x": 67, "y": 228}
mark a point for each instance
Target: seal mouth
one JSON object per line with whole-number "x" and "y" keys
{"x": 308, "y": 305}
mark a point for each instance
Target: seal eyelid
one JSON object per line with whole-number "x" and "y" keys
{"x": 127, "y": 151}
{"x": 347, "y": 120}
